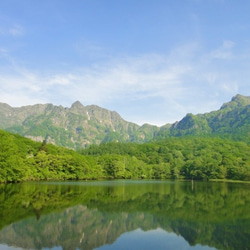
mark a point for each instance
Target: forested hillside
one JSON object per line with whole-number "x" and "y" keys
{"x": 177, "y": 158}
{"x": 74, "y": 127}
{"x": 22, "y": 159}
{"x": 231, "y": 121}
{"x": 79, "y": 126}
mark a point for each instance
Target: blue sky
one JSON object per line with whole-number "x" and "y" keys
{"x": 152, "y": 61}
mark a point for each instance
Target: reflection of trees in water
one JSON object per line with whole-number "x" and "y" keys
{"x": 214, "y": 214}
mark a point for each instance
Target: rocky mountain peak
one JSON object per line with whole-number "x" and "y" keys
{"x": 79, "y": 126}
{"x": 237, "y": 101}
{"x": 77, "y": 105}
{"x": 241, "y": 100}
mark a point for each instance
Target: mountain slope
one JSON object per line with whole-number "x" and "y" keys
{"x": 73, "y": 127}
{"x": 232, "y": 120}
{"x": 78, "y": 126}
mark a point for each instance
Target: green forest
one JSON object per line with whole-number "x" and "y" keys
{"x": 190, "y": 157}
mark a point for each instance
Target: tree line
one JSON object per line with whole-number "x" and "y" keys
{"x": 179, "y": 158}
{"x": 174, "y": 158}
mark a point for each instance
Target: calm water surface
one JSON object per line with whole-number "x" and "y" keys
{"x": 125, "y": 215}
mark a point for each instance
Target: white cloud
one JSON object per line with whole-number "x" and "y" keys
{"x": 160, "y": 88}
{"x": 128, "y": 80}
{"x": 230, "y": 87}
{"x": 133, "y": 78}
{"x": 63, "y": 80}
{"x": 22, "y": 100}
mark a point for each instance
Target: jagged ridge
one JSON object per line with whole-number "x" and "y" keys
{"x": 79, "y": 126}
{"x": 73, "y": 127}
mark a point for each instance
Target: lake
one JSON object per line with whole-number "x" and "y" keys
{"x": 108, "y": 215}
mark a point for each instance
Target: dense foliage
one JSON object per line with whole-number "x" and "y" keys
{"x": 187, "y": 157}
{"x": 174, "y": 158}
{"x": 22, "y": 159}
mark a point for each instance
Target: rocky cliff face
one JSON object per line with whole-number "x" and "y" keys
{"x": 78, "y": 126}
{"x": 73, "y": 127}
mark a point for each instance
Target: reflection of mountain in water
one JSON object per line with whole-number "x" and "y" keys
{"x": 210, "y": 214}
{"x": 152, "y": 239}
{"x": 76, "y": 227}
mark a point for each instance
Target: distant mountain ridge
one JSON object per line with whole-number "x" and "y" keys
{"x": 232, "y": 120}
{"x": 79, "y": 126}
{"x": 73, "y": 127}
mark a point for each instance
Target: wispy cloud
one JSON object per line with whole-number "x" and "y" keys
{"x": 16, "y": 30}
{"x": 62, "y": 80}
{"x": 223, "y": 52}
{"x": 160, "y": 88}
{"x": 10, "y": 28}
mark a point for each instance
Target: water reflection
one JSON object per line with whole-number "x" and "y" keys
{"x": 125, "y": 215}
{"x": 153, "y": 239}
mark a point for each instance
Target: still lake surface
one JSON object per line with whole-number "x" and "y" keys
{"x": 108, "y": 215}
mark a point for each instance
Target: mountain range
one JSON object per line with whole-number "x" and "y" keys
{"x": 79, "y": 126}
